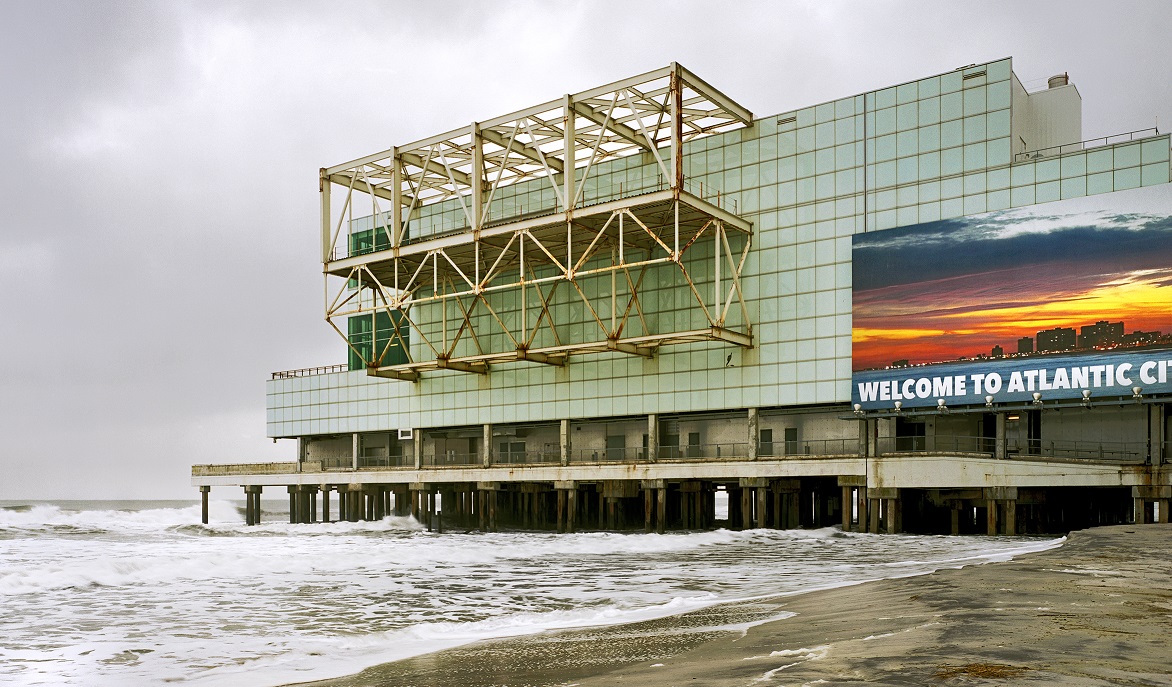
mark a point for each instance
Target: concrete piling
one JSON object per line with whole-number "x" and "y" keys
{"x": 659, "y": 505}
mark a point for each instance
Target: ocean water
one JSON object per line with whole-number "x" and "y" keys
{"x": 120, "y": 593}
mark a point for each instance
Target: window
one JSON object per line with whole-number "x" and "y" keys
{"x": 669, "y": 446}
{"x": 791, "y": 441}
{"x": 369, "y": 348}
{"x": 512, "y": 452}
{"x": 765, "y": 443}
{"x": 616, "y": 447}
{"x": 909, "y": 436}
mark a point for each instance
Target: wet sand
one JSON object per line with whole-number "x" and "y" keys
{"x": 1095, "y": 611}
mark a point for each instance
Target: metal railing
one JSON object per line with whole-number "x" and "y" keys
{"x": 644, "y": 185}
{"x": 526, "y": 458}
{"x": 1106, "y": 451}
{"x": 714, "y": 196}
{"x": 937, "y": 444}
{"x": 311, "y": 371}
{"x": 727, "y": 451}
{"x": 386, "y": 461}
{"x": 450, "y": 459}
{"x": 338, "y": 463}
{"x": 243, "y": 469}
{"x": 808, "y": 447}
{"x": 634, "y": 454}
{"x": 1085, "y": 145}
{"x": 1023, "y": 449}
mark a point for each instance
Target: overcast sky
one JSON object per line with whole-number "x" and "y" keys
{"x": 158, "y": 193}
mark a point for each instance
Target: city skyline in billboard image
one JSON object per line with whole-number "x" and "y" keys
{"x": 1093, "y": 273}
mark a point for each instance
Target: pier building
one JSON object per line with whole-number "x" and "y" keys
{"x": 610, "y": 308}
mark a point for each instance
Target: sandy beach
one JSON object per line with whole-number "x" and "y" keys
{"x": 1095, "y": 611}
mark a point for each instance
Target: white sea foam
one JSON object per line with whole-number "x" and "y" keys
{"x": 101, "y": 595}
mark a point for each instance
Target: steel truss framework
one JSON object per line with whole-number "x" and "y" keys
{"x": 451, "y": 285}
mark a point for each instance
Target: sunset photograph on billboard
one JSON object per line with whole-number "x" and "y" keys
{"x": 1080, "y": 279}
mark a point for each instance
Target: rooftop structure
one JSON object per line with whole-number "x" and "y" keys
{"x": 496, "y": 216}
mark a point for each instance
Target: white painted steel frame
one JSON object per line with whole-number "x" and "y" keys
{"x": 562, "y": 141}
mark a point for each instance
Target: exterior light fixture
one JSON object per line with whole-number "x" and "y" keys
{"x": 1137, "y": 392}
{"x": 1086, "y": 398}
{"x": 940, "y": 406}
{"x": 898, "y": 406}
{"x": 1037, "y": 399}
{"x": 859, "y": 410}
{"x": 988, "y": 401}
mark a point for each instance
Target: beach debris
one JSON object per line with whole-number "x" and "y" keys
{"x": 990, "y": 670}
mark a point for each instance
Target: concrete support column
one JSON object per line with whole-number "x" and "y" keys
{"x": 486, "y": 447}
{"x": 292, "y": 504}
{"x": 356, "y": 448}
{"x": 847, "y": 507}
{"x": 863, "y": 510}
{"x": 661, "y": 509}
{"x": 872, "y": 437}
{"x": 417, "y": 447}
{"x": 204, "y": 491}
{"x": 652, "y": 438}
{"x": 762, "y": 506}
{"x": 854, "y": 490}
{"x": 564, "y": 436}
{"x": 1163, "y": 514}
{"x": 995, "y": 498}
{"x": 955, "y": 511}
{"x": 873, "y": 512}
{"x": 749, "y": 497}
{"x": 891, "y": 508}
{"x": 571, "y": 508}
{"x": 648, "y": 508}
{"x": 252, "y": 514}
{"x": 999, "y": 442}
{"x": 565, "y": 505}
{"x": 1010, "y": 517}
{"x": 325, "y": 503}
{"x": 754, "y": 435}
{"x": 487, "y": 504}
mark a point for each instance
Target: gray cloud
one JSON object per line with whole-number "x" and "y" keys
{"x": 158, "y": 238}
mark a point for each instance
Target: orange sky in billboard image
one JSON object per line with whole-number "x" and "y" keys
{"x": 990, "y": 280}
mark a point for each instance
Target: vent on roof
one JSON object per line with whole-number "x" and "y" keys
{"x": 974, "y": 75}
{"x": 1058, "y": 80}
{"x": 787, "y": 120}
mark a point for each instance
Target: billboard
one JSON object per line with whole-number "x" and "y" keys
{"x": 1063, "y": 300}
